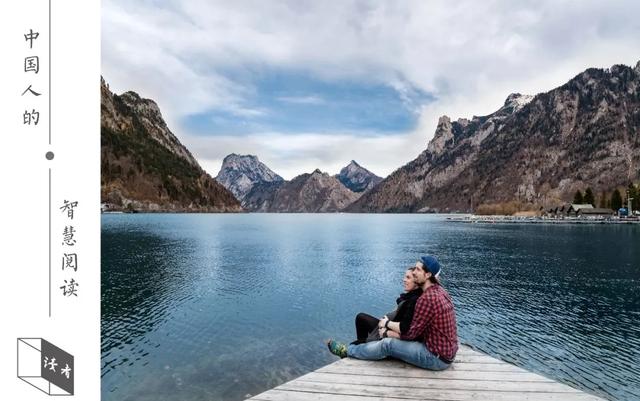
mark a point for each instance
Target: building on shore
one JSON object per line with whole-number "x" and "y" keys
{"x": 575, "y": 208}
{"x": 578, "y": 210}
{"x": 595, "y": 212}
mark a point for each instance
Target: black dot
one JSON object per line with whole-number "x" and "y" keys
{"x": 49, "y": 155}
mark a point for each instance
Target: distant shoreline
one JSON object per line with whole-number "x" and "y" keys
{"x": 451, "y": 217}
{"x": 539, "y": 220}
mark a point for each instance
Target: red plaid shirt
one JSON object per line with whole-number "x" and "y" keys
{"x": 434, "y": 323}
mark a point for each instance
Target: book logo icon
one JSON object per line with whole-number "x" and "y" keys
{"x": 45, "y": 366}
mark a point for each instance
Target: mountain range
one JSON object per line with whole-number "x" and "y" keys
{"x": 261, "y": 190}
{"x": 534, "y": 150}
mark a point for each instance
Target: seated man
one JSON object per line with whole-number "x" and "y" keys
{"x": 432, "y": 339}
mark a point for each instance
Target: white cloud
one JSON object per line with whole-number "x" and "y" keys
{"x": 198, "y": 55}
{"x": 302, "y": 99}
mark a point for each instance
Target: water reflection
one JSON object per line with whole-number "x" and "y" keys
{"x": 218, "y": 307}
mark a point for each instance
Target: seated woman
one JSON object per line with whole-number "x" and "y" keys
{"x": 367, "y": 326}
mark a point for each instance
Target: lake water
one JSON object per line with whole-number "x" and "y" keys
{"x": 217, "y": 307}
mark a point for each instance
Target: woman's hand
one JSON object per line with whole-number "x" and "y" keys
{"x": 383, "y": 332}
{"x": 383, "y": 322}
{"x": 392, "y": 334}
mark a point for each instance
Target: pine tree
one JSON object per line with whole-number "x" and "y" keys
{"x": 616, "y": 200}
{"x": 577, "y": 198}
{"x": 588, "y": 197}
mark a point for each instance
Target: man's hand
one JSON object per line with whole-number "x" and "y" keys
{"x": 383, "y": 321}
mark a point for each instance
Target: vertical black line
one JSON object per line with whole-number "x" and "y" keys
{"x": 49, "y": 72}
{"x": 49, "y": 242}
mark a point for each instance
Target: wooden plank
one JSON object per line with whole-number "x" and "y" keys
{"x": 463, "y": 349}
{"x": 411, "y": 393}
{"x": 484, "y": 366}
{"x": 284, "y": 395}
{"x": 476, "y": 358}
{"x": 462, "y": 359}
{"x": 473, "y": 376}
{"x": 279, "y": 395}
{"x": 417, "y": 373}
{"x": 486, "y": 385}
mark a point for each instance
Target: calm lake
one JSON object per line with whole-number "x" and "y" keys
{"x": 220, "y": 307}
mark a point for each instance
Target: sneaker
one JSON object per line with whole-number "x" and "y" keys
{"x": 337, "y": 348}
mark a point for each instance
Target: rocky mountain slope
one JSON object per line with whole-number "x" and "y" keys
{"x": 260, "y": 189}
{"x": 317, "y": 192}
{"x": 536, "y": 150}
{"x": 145, "y": 167}
{"x": 240, "y": 174}
{"x": 357, "y": 178}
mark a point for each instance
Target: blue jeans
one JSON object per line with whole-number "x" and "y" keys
{"x": 413, "y": 352}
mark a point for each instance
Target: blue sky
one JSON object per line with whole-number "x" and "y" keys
{"x": 291, "y": 102}
{"x": 308, "y": 84}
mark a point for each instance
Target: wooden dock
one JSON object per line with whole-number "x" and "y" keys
{"x": 473, "y": 376}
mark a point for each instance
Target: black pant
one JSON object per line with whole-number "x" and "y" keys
{"x": 365, "y": 324}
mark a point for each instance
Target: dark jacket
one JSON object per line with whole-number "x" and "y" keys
{"x": 403, "y": 313}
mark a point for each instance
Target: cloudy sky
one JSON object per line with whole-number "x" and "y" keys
{"x": 315, "y": 84}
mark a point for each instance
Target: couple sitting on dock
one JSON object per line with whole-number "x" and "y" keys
{"x": 420, "y": 331}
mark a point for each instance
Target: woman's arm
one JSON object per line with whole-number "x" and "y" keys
{"x": 394, "y": 327}
{"x": 403, "y": 317}
{"x": 384, "y": 332}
